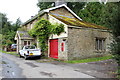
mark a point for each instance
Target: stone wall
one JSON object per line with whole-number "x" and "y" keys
{"x": 62, "y": 54}
{"x": 81, "y": 42}
{"x": 30, "y": 25}
{"x": 62, "y": 11}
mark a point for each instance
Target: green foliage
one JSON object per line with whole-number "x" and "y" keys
{"x": 72, "y": 5}
{"x": 8, "y": 30}
{"x": 11, "y": 53}
{"x": 115, "y": 45}
{"x": 92, "y": 12}
{"x": 115, "y": 50}
{"x": 100, "y": 14}
{"x": 90, "y": 59}
{"x": 0, "y": 36}
{"x": 45, "y": 5}
{"x": 0, "y": 41}
{"x": 43, "y": 29}
{"x": 76, "y": 6}
{"x": 57, "y": 29}
{"x": 8, "y": 39}
{"x": 22, "y": 29}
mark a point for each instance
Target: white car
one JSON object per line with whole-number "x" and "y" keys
{"x": 29, "y": 51}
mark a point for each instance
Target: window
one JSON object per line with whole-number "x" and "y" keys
{"x": 100, "y": 44}
{"x": 26, "y": 42}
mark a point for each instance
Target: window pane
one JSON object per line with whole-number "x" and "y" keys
{"x": 100, "y": 44}
{"x": 25, "y": 42}
{"x": 96, "y": 44}
{"x": 28, "y": 42}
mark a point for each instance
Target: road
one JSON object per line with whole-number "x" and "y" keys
{"x": 10, "y": 69}
{"x": 15, "y": 67}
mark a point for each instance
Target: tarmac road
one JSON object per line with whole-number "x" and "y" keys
{"x": 10, "y": 69}
{"x": 15, "y": 67}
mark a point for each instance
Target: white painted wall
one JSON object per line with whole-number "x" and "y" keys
{"x": 53, "y": 20}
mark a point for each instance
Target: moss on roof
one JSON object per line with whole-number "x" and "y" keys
{"x": 76, "y": 22}
{"x": 24, "y": 35}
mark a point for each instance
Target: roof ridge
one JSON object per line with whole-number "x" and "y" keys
{"x": 63, "y": 5}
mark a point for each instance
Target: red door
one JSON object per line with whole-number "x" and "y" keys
{"x": 54, "y": 48}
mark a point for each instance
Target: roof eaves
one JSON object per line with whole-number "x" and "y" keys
{"x": 26, "y": 38}
{"x": 80, "y": 27}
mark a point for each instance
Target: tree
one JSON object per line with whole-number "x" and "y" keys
{"x": 115, "y": 46}
{"x": 72, "y": 5}
{"x": 1, "y": 15}
{"x": 45, "y": 5}
{"x": 76, "y": 6}
{"x": 3, "y": 19}
{"x": 16, "y": 25}
{"x": 100, "y": 14}
{"x": 5, "y": 24}
{"x": 92, "y": 12}
{"x": 8, "y": 30}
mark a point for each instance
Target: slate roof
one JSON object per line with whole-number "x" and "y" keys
{"x": 73, "y": 21}
{"x": 24, "y": 35}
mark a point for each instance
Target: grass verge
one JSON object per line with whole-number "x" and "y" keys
{"x": 11, "y": 53}
{"x": 71, "y": 61}
{"x": 90, "y": 59}
{"x": 78, "y": 61}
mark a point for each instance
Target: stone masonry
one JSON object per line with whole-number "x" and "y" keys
{"x": 81, "y": 42}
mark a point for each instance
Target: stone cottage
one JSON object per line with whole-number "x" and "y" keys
{"x": 80, "y": 39}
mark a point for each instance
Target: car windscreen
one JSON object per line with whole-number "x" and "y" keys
{"x": 29, "y": 47}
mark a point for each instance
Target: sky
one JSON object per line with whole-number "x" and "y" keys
{"x": 22, "y": 9}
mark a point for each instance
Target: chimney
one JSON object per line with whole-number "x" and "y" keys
{"x": 60, "y": 2}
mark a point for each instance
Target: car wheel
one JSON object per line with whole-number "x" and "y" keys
{"x": 20, "y": 55}
{"x": 38, "y": 57}
{"x": 25, "y": 57}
